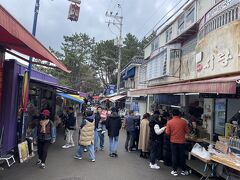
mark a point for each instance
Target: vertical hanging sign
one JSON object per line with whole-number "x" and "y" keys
{"x": 74, "y": 10}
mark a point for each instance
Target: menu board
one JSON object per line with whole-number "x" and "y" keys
{"x": 220, "y": 116}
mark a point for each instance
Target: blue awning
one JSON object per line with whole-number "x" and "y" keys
{"x": 129, "y": 73}
{"x": 67, "y": 96}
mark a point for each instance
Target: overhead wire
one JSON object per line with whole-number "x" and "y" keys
{"x": 172, "y": 15}
{"x": 150, "y": 17}
{"x": 112, "y": 31}
{"x": 177, "y": 4}
{"x": 119, "y": 6}
{"x": 109, "y": 5}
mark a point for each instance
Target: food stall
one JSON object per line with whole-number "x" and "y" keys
{"x": 222, "y": 158}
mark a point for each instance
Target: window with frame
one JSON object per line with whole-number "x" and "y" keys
{"x": 157, "y": 67}
{"x": 169, "y": 34}
{"x": 155, "y": 44}
{"x": 190, "y": 16}
{"x": 143, "y": 73}
{"x": 180, "y": 24}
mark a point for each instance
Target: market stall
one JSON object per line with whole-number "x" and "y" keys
{"x": 220, "y": 159}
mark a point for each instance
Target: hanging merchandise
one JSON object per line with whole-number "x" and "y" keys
{"x": 74, "y": 10}
{"x": 24, "y": 93}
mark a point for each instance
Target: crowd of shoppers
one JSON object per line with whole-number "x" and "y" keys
{"x": 159, "y": 137}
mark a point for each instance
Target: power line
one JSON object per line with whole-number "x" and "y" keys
{"x": 109, "y": 5}
{"x": 172, "y": 15}
{"x": 117, "y": 20}
{"x": 166, "y": 16}
{"x": 147, "y": 20}
{"x": 152, "y": 29}
{"x": 112, "y": 30}
{"x": 112, "y": 14}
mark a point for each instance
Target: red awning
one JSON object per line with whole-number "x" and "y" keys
{"x": 224, "y": 85}
{"x": 14, "y": 36}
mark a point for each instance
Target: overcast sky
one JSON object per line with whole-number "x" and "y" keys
{"x": 139, "y": 17}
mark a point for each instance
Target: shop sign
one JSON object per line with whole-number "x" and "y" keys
{"x": 221, "y": 58}
{"x": 74, "y": 11}
{"x": 220, "y": 8}
{"x": 110, "y": 89}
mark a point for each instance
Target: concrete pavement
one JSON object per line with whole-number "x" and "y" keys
{"x": 62, "y": 166}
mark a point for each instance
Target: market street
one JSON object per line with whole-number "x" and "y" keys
{"x": 61, "y": 165}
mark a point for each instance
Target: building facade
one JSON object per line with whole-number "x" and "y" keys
{"x": 196, "y": 57}
{"x": 130, "y": 77}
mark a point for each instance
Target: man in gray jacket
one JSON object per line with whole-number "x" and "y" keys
{"x": 130, "y": 128}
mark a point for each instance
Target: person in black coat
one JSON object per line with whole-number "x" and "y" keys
{"x": 70, "y": 128}
{"x": 167, "y": 155}
{"x": 113, "y": 125}
{"x": 156, "y": 139}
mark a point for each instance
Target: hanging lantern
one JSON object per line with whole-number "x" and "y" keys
{"x": 74, "y": 11}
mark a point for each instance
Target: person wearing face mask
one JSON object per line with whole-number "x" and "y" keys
{"x": 44, "y": 134}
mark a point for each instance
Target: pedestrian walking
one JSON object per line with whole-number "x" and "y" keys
{"x": 137, "y": 119}
{"x": 102, "y": 122}
{"x": 177, "y": 129}
{"x": 44, "y": 134}
{"x": 70, "y": 128}
{"x": 143, "y": 145}
{"x": 102, "y": 127}
{"x": 96, "y": 133}
{"x": 86, "y": 137}
{"x": 130, "y": 128}
{"x": 156, "y": 139}
{"x": 113, "y": 125}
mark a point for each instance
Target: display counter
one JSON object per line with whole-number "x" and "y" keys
{"x": 201, "y": 165}
{"x": 226, "y": 161}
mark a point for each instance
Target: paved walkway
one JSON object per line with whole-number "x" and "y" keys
{"x": 62, "y": 166}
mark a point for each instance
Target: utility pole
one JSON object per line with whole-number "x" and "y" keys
{"x": 36, "y": 10}
{"x": 118, "y": 22}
